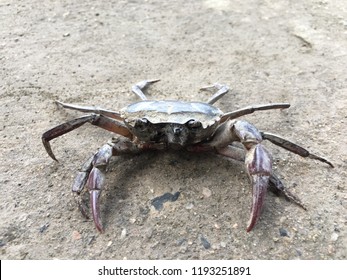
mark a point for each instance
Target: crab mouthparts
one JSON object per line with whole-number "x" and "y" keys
{"x": 177, "y": 134}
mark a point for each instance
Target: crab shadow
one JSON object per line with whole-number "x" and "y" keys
{"x": 121, "y": 201}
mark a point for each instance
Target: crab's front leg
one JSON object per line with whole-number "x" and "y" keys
{"x": 258, "y": 160}
{"x": 92, "y": 173}
{"x": 275, "y": 185}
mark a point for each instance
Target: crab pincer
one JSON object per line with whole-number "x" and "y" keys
{"x": 94, "y": 181}
{"x": 258, "y": 164}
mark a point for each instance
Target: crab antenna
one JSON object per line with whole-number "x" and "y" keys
{"x": 221, "y": 91}
{"x": 140, "y": 86}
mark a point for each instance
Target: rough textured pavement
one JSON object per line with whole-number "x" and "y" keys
{"x": 89, "y": 52}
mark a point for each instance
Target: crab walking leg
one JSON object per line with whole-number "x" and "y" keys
{"x": 91, "y": 109}
{"x": 252, "y": 109}
{"x": 140, "y": 86}
{"x": 221, "y": 91}
{"x": 292, "y": 147}
{"x": 257, "y": 160}
{"x": 80, "y": 182}
{"x": 277, "y": 187}
{"x": 97, "y": 120}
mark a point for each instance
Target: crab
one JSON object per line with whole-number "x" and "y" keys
{"x": 190, "y": 126}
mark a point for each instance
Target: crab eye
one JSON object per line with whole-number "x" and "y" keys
{"x": 194, "y": 124}
{"x": 141, "y": 123}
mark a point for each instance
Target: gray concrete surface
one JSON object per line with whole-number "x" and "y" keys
{"x": 91, "y": 52}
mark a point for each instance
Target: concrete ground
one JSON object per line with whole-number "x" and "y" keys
{"x": 91, "y": 52}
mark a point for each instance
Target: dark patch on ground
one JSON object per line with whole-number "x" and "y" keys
{"x": 159, "y": 201}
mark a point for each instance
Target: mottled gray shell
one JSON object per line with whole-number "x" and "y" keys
{"x": 166, "y": 111}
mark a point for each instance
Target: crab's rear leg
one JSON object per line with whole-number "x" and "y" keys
{"x": 258, "y": 160}
{"x": 140, "y": 86}
{"x": 221, "y": 91}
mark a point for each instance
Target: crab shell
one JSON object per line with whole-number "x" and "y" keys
{"x": 171, "y": 122}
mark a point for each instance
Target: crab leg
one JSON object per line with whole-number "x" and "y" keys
{"x": 92, "y": 173}
{"x": 275, "y": 184}
{"x": 221, "y": 91}
{"x": 292, "y": 147}
{"x": 258, "y": 161}
{"x": 259, "y": 167}
{"x": 252, "y": 109}
{"x": 140, "y": 86}
{"x": 96, "y": 179}
{"x": 97, "y": 120}
{"x": 91, "y": 109}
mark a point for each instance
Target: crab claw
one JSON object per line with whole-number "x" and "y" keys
{"x": 94, "y": 201}
{"x": 259, "y": 191}
{"x": 94, "y": 183}
{"x": 259, "y": 165}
